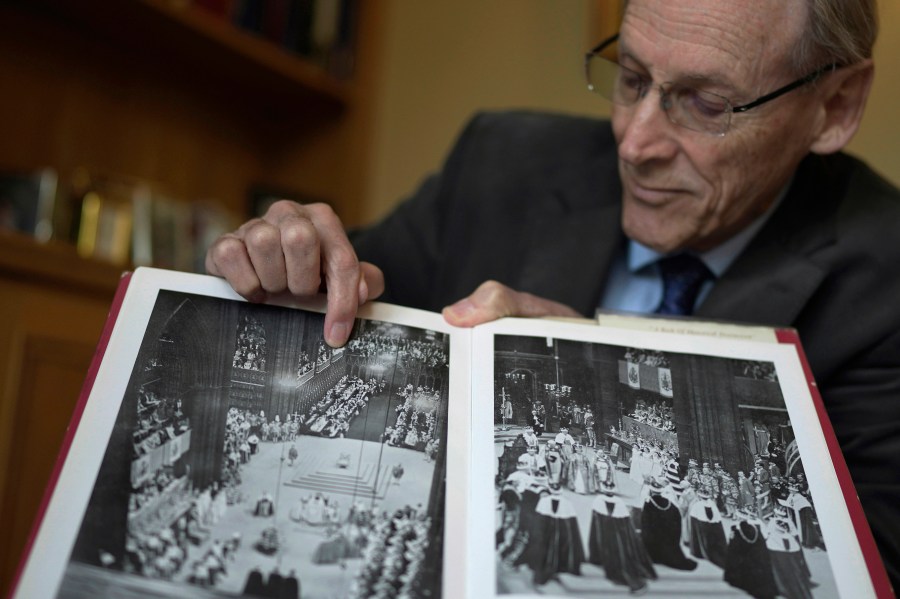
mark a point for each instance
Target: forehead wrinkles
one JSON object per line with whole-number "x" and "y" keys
{"x": 721, "y": 38}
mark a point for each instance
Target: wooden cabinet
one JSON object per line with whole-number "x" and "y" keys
{"x": 54, "y": 305}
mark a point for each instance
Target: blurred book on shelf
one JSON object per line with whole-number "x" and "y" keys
{"x": 105, "y": 219}
{"x": 321, "y": 31}
{"x": 123, "y": 220}
{"x": 28, "y": 201}
{"x": 165, "y": 231}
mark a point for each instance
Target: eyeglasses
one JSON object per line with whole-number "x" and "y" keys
{"x": 685, "y": 106}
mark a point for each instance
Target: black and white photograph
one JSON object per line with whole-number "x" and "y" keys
{"x": 250, "y": 459}
{"x": 636, "y": 471}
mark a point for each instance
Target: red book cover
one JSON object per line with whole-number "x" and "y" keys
{"x": 89, "y": 379}
{"x": 863, "y": 533}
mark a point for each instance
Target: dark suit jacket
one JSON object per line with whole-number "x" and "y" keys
{"x": 533, "y": 201}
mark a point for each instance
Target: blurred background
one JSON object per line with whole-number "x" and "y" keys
{"x": 133, "y": 132}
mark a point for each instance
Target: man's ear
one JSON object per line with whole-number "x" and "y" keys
{"x": 843, "y": 105}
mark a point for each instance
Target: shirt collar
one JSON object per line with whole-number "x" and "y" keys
{"x": 717, "y": 259}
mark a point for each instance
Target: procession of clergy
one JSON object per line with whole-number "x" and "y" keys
{"x": 754, "y": 528}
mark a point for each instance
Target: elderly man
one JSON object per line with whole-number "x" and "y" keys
{"x": 724, "y": 145}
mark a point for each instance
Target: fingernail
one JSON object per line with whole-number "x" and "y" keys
{"x": 338, "y": 334}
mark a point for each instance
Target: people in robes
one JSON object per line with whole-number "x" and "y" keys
{"x": 707, "y": 531}
{"x": 579, "y": 477}
{"x": 565, "y": 442}
{"x": 255, "y": 585}
{"x": 315, "y": 510}
{"x": 556, "y": 545}
{"x": 589, "y": 427}
{"x": 290, "y": 586}
{"x": 523, "y": 475}
{"x": 661, "y": 529}
{"x": 506, "y": 411}
{"x": 265, "y": 506}
{"x": 747, "y": 563}
{"x": 673, "y": 471}
{"x": 537, "y": 421}
{"x": 686, "y": 498}
{"x": 746, "y": 492}
{"x": 335, "y": 548}
{"x": 532, "y": 459}
{"x": 603, "y": 470}
{"x": 615, "y": 545}
{"x": 789, "y": 568}
{"x": 519, "y": 496}
{"x": 693, "y": 473}
{"x": 639, "y": 464}
{"x": 530, "y": 438}
{"x": 803, "y": 516}
{"x": 509, "y": 539}
{"x": 275, "y": 584}
{"x": 554, "y": 464}
{"x": 710, "y": 483}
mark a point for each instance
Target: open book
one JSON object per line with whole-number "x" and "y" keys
{"x": 221, "y": 449}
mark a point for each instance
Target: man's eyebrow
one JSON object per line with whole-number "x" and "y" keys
{"x": 717, "y": 81}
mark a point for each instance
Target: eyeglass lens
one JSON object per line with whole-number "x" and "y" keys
{"x": 685, "y": 106}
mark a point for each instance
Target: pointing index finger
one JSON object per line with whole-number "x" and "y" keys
{"x": 341, "y": 273}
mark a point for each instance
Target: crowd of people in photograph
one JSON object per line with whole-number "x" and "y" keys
{"x": 409, "y": 352}
{"x": 180, "y": 546}
{"x": 316, "y": 509}
{"x": 390, "y": 545}
{"x": 250, "y": 347}
{"x": 332, "y": 415}
{"x": 646, "y": 356}
{"x": 657, "y": 414}
{"x": 416, "y": 420}
{"x": 754, "y": 533}
{"x": 304, "y": 364}
{"x": 158, "y": 420}
{"x": 150, "y": 491}
{"x": 394, "y": 556}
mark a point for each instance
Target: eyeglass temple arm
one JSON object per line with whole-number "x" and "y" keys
{"x": 789, "y": 87}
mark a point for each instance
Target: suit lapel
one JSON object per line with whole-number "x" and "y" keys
{"x": 570, "y": 254}
{"x": 768, "y": 285}
{"x": 775, "y": 276}
{"x": 574, "y": 234}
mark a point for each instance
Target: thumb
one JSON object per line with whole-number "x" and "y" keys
{"x": 371, "y": 282}
{"x": 493, "y": 300}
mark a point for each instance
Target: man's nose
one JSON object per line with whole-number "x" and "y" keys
{"x": 648, "y": 134}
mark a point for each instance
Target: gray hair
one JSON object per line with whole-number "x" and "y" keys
{"x": 841, "y": 31}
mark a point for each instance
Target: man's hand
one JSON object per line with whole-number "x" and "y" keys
{"x": 299, "y": 249}
{"x": 493, "y": 300}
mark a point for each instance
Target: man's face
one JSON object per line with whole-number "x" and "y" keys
{"x": 687, "y": 189}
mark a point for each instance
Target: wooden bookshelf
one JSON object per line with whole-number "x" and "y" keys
{"x": 161, "y": 91}
{"x": 197, "y": 44}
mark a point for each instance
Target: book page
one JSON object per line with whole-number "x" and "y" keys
{"x": 609, "y": 462}
{"x": 226, "y": 450}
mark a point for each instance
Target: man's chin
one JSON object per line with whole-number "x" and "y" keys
{"x": 656, "y": 233}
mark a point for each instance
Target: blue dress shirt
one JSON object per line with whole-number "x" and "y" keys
{"x": 635, "y": 283}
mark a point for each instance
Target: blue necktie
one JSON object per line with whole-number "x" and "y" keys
{"x": 683, "y": 275}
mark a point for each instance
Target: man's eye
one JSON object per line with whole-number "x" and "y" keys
{"x": 632, "y": 81}
{"x": 702, "y": 103}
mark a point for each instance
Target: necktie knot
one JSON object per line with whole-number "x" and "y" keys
{"x": 683, "y": 275}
